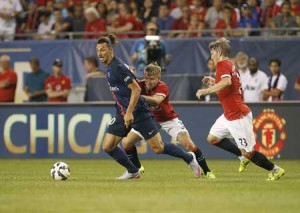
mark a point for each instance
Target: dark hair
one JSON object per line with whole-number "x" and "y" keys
{"x": 45, "y": 13}
{"x": 111, "y": 40}
{"x": 286, "y": 3}
{"x": 35, "y": 61}
{"x": 275, "y": 60}
{"x": 93, "y": 60}
{"x": 71, "y": 9}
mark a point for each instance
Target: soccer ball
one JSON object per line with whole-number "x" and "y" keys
{"x": 60, "y": 171}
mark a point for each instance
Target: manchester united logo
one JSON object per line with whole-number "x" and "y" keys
{"x": 269, "y": 133}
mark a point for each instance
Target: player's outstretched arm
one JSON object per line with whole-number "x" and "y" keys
{"x": 154, "y": 100}
{"x": 223, "y": 83}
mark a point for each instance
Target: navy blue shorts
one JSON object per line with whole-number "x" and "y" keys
{"x": 147, "y": 127}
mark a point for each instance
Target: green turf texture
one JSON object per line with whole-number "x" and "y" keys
{"x": 166, "y": 186}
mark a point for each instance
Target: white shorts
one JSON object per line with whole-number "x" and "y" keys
{"x": 241, "y": 130}
{"x": 173, "y": 127}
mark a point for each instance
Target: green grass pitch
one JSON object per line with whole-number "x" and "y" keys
{"x": 166, "y": 186}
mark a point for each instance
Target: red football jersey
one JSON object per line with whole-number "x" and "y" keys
{"x": 58, "y": 84}
{"x": 231, "y": 97}
{"x": 8, "y": 94}
{"x": 164, "y": 111}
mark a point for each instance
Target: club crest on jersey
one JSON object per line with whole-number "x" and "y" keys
{"x": 269, "y": 133}
{"x": 126, "y": 78}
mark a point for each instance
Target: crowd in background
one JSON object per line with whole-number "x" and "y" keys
{"x": 40, "y": 86}
{"x": 47, "y": 19}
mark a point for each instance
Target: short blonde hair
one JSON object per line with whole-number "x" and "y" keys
{"x": 153, "y": 70}
{"x": 222, "y": 45}
{"x": 4, "y": 58}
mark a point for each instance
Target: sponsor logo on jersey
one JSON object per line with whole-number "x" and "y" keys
{"x": 269, "y": 133}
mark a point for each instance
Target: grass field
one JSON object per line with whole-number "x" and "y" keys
{"x": 166, "y": 186}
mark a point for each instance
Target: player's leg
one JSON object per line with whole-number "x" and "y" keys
{"x": 242, "y": 131}
{"x": 176, "y": 129}
{"x": 128, "y": 144}
{"x": 219, "y": 136}
{"x": 149, "y": 129}
{"x": 115, "y": 132}
{"x": 159, "y": 147}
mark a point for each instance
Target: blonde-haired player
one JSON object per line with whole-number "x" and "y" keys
{"x": 156, "y": 93}
{"x": 236, "y": 121}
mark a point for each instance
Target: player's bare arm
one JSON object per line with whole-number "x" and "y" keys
{"x": 154, "y": 100}
{"x": 223, "y": 83}
{"x": 135, "y": 94}
{"x": 208, "y": 80}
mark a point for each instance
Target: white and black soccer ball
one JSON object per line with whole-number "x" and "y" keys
{"x": 60, "y": 171}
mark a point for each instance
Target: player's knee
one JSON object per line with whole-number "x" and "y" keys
{"x": 125, "y": 143}
{"x": 212, "y": 139}
{"x": 157, "y": 148}
{"x": 107, "y": 147}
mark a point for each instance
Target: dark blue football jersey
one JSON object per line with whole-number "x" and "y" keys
{"x": 119, "y": 77}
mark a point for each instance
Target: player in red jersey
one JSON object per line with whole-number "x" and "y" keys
{"x": 57, "y": 86}
{"x": 236, "y": 122}
{"x": 156, "y": 93}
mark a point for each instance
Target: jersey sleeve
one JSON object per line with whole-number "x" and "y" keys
{"x": 67, "y": 85}
{"x": 162, "y": 90}
{"x": 298, "y": 79}
{"x": 282, "y": 83}
{"x": 47, "y": 83}
{"x": 12, "y": 78}
{"x": 126, "y": 75}
{"x": 223, "y": 70}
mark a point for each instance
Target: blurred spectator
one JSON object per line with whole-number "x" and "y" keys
{"x": 211, "y": 72}
{"x": 164, "y": 20}
{"x": 247, "y": 22}
{"x": 271, "y": 10}
{"x": 214, "y": 13}
{"x": 91, "y": 66}
{"x": 241, "y": 61}
{"x": 176, "y": 13}
{"x": 8, "y": 13}
{"x": 284, "y": 20}
{"x": 181, "y": 23}
{"x": 148, "y": 12}
{"x": 139, "y": 55}
{"x": 134, "y": 8}
{"x": 125, "y": 23}
{"x": 197, "y": 8}
{"x": 253, "y": 88}
{"x": 255, "y": 9}
{"x": 277, "y": 82}
{"x": 8, "y": 80}
{"x": 102, "y": 10}
{"x": 94, "y": 23}
{"x": 297, "y": 83}
{"x": 57, "y": 86}
{"x": 195, "y": 25}
{"x": 62, "y": 25}
{"x": 226, "y": 24}
{"x": 45, "y": 27}
{"x": 79, "y": 20}
{"x": 295, "y": 7}
{"x": 32, "y": 18}
{"x": 34, "y": 84}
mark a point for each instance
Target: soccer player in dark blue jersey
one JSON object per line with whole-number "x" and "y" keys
{"x": 132, "y": 112}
